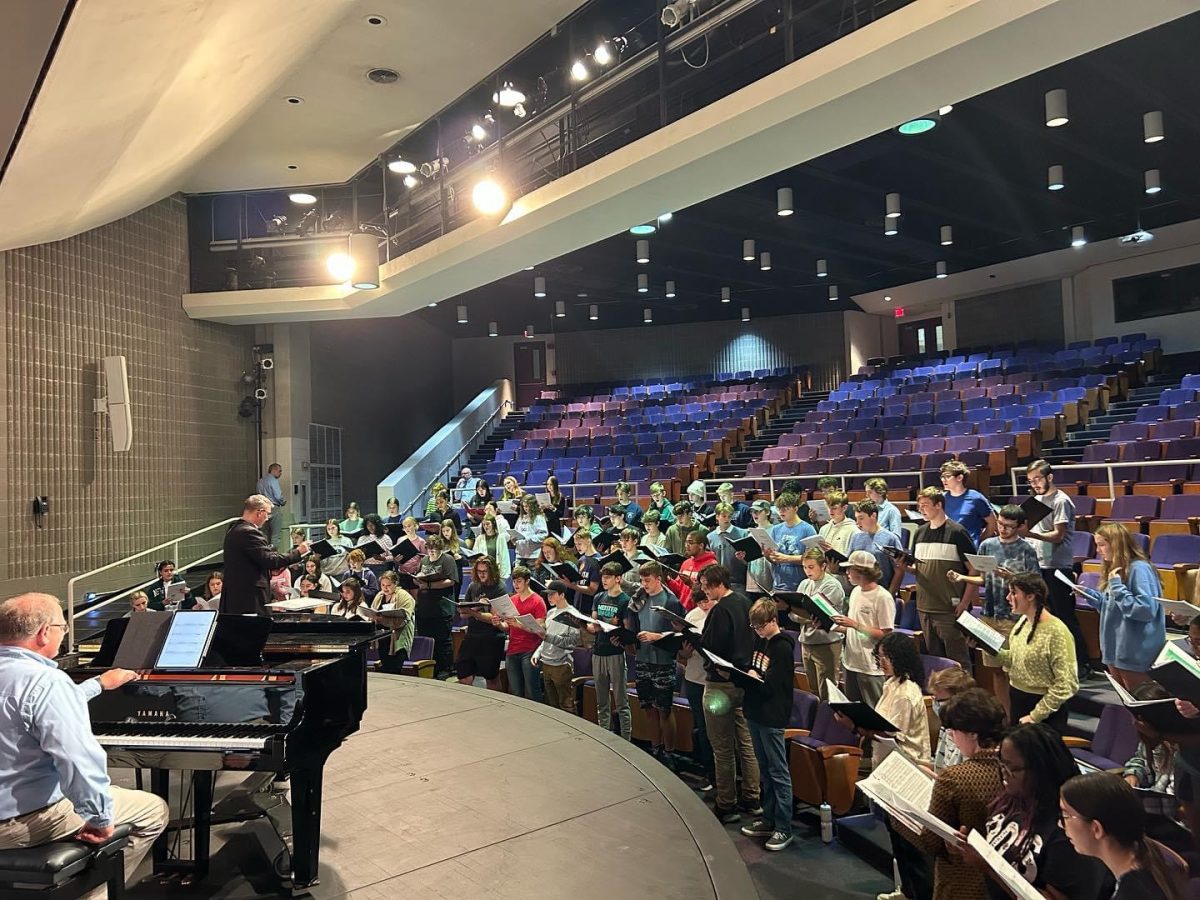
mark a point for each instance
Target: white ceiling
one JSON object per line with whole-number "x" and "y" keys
{"x": 148, "y": 98}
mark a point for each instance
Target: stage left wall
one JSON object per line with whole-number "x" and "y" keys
{"x": 113, "y": 291}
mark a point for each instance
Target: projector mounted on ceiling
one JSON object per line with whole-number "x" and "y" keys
{"x": 1141, "y": 236}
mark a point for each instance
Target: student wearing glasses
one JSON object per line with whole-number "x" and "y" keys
{"x": 965, "y": 505}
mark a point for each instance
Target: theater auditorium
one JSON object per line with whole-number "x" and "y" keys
{"x": 606, "y": 448}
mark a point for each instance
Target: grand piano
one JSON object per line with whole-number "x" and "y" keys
{"x": 273, "y": 695}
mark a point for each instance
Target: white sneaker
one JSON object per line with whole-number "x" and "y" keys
{"x": 891, "y": 895}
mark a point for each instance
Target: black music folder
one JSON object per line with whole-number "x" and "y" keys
{"x": 371, "y": 549}
{"x": 862, "y": 715}
{"x": 566, "y": 571}
{"x": 1035, "y": 510}
{"x": 1177, "y": 671}
{"x": 816, "y": 607}
{"x": 748, "y": 545}
{"x": 324, "y": 549}
{"x": 618, "y": 557}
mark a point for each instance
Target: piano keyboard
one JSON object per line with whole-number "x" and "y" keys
{"x": 213, "y": 736}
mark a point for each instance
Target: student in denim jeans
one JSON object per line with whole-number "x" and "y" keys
{"x": 523, "y": 677}
{"x": 768, "y": 709}
{"x": 608, "y": 655}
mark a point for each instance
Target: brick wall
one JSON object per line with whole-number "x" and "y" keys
{"x": 113, "y": 291}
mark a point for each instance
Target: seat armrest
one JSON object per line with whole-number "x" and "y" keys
{"x": 830, "y": 750}
{"x": 796, "y": 732}
{"x": 1072, "y": 741}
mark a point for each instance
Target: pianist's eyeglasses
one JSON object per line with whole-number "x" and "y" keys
{"x": 63, "y": 625}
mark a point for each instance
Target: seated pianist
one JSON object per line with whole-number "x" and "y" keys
{"x": 53, "y": 770}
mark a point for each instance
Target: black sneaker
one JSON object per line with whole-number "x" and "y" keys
{"x": 758, "y": 828}
{"x": 752, "y": 809}
{"x": 727, "y": 816}
{"x": 778, "y": 841}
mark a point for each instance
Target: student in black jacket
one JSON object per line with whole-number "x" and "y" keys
{"x": 727, "y": 634}
{"x": 768, "y": 709}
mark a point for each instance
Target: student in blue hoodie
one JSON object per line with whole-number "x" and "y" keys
{"x": 1133, "y": 627}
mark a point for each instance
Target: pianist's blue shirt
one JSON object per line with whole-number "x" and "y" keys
{"x": 47, "y": 750}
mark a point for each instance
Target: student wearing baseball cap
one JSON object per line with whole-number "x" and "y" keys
{"x": 870, "y": 614}
{"x": 554, "y": 655}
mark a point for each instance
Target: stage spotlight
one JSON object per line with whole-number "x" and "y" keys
{"x": 340, "y": 266}
{"x": 478, "y": 132}
{"x": 489, "y": 197}
{"x": 434, "y": 166}
{"x": 674, "y": 13}
{"x": 579, "y": 71}
{"x": 277, "y": 224}
{"x": 508, "y": 96}
{"x": 303, "y": 198}
{"x": 401, "y": 167}
{"x": 410, "y": 181}
{"x": 519, "y": 110}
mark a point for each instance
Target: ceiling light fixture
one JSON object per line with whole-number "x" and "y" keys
{"x": 946, "y": 110}
{"x": 1078, "y": 238}
{"x": 539, "y": 286}
{"x": 643, "y": 252}
{"x": 340, "y": 266}
{"x": 643, "y": 283}
{"x": 560, "y": 309}
{"x": 1153, "y": 181}
{"x": 579, "y": 71}
{"x": 833, "y": 292}
{"x": 748, "y": 251}
{"x": 364, "y": 254}
{"x": 493, "y": 329}
{"x": 1056, "y": 108}
{"x": 303, "y": 198}
{"x": 940, "y": 269}
{"x": 478, "y": 132}
{"x": 670, "y": 292}
{"x": 891, "y": 227}
{"x": 946, "y": 235}
{"x": 917, "y": 126}
{"x": 764, "y": 261}
{"x": 893, "y": 206}
{"x": 1152, "y": 127}
{"x": 529, "y": 331}
{"x": 822, "y": 268}
{"x": 489, "y": 197}
{"x": 401, "y": 167}
{"x": 783, "y": 202}
{"x": 410, "y": 181}
{"x": 519, "y": 111}
{"x": 508, "y": 96}
{"x": 1054, "y": 178}
{"x": 725, "y": 297}
{"x": 745, "y": 314}
{"x": 462, "y": 316}
{"x": 648, "y": 316}
{"x": 648, "y": 228}
{"x": 593, "y": 312}
{"x": 887, "y": 298}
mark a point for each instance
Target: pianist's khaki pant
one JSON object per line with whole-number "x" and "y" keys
{"x": 145, "y": 812}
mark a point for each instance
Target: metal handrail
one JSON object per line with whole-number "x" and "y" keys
{"x": 1108, "y": 466}
{"x": 173, "y": 543}
{"x": 445, "y": 471}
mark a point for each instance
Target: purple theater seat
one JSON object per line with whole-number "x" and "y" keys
{"x": 813, "y": 467}
{"x": 833, "y": 451}
{"x": 1170, "y": 549}
{"x": 790, "y": 440}
{"x": 932, "y": 430}
{"x": 876, "y": 464}
{"x": 1185, "y": 411}
{"x": 1084, "y": 505}
{"x": 804, "y": 709}
{"x": 1129, "y": 431}
{"x": 826, "y": 731}
{"x": 1083, "y": 545}
{"x": 1131, "y": 507}
{"x": 924, "y": 445}
{"x": 1174, "y": 429}
{"x": 1176, "y": 397}
{"x": 1151, "y": 414}
{"x": 801, "y": 454}
{"x": 1142, "y": 451}
{"x": 959, "y": 429}
{"x": 774, "y": 454}
{"x": 906, "y": 462}
{"x": 933, "y": 664}
{"x": 1115, "y": 740}
{"x": 758, "y": 469}
{"x": 817, "y": 439}
{"x": 1101, "y": 452}
{"x": 1000, "y": 440}
{"x": 786, "y": 467}
{"x": 865, "y": 448}
{"x": 894, "y": 447}
{"x": 962, "y": 443}
{"x": 1183, "y": 448}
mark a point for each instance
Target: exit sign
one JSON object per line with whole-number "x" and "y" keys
{"x": 898, "y": 312}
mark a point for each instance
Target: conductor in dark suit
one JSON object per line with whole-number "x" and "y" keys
{"x": 250, "y": 559}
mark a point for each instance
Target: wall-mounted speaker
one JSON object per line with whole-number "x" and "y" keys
{"x": 114, "y": 402}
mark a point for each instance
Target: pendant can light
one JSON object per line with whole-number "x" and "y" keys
{"x": 833, "y": 292}
{"x": 670, "y": 292}
{"x": 725, "y": 298}
{"x": 783, "y": 202}
{"x": 560, "y": 309}
{"x": 748, "y": 250}
{"x": 764, "y": 261}
{"x": 648, "y": 316}
{"x": 462, "y": 316}
{"x": 593, "y": 312}
{"x": 643, "y": 251}
{"x": 1153, "y": 181}
{"x": 822, "y": 268}
{"x": 643, "y": 282}
{"x": 1056, "y": 108}
{"x": 539, "y": 286}
{"x": 893, "y": 206}
{"x": 1152, "y": 127}
{"x": 1054, "y": 178}
{"x": 1078, "y": 238}
{"x": 947, "y": 235}
{"x": 940, "y": 269}
{"x": 745, "y": 314}
{"x": 493, "y": 329}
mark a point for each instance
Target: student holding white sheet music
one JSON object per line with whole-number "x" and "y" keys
{"x": 870, "y": 614}
{"x": 608, "y": 654}
{"x": 393, "y": 649}
{"x": 836, "y": 533}
{"x": 531, "y": 524}
{"x": 169, "y": 590}
{"x": 494, "y": 545}
{"x": 962, "y": 793}
{"x": 352, "y": 604}
{"x": 654, "y": 536}
{"x": 523, "y": 678}
{"x": 1024, "y": 820}
{"x": 788, "y": 536}
{"x": 482, "y": 648}
{"x": 335, "y": 564}
{"x": 437, "y": 580}
{"x": 872, "y": 537}
{"x": 554, "y": 505}
{"x": 822, "y": 650}
{"x": 1133, "y": 626}
{"x": 1039, "y": 658}
{"x": 554, "y": 656}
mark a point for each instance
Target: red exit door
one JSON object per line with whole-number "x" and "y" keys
{"x": 529, "y": 370}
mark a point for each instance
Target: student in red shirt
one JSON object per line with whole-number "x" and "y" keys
{"x": 523, "y": 678}
{"x": 695, "y": 548}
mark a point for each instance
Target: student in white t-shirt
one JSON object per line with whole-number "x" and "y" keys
{"x": 870, "y": 614}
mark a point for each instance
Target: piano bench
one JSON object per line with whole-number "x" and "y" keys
{"x": 64, "y": 869}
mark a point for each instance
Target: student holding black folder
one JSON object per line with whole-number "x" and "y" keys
{"x": 438, "y": 581}
{"x": 727, "y": 633}
{"x": 608, "y": 654}
{"x": 768, "y": 709}
{"x": 822, "y": 649}
{"x": 482, "y": 649}
{"x": 656, "y": 666}
{"x": 587, "y": 586}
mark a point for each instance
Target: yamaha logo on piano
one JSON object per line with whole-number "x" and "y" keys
{"x": 151, "y": 715}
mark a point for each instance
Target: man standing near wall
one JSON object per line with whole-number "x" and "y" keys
{"x": 270, "y": 488}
